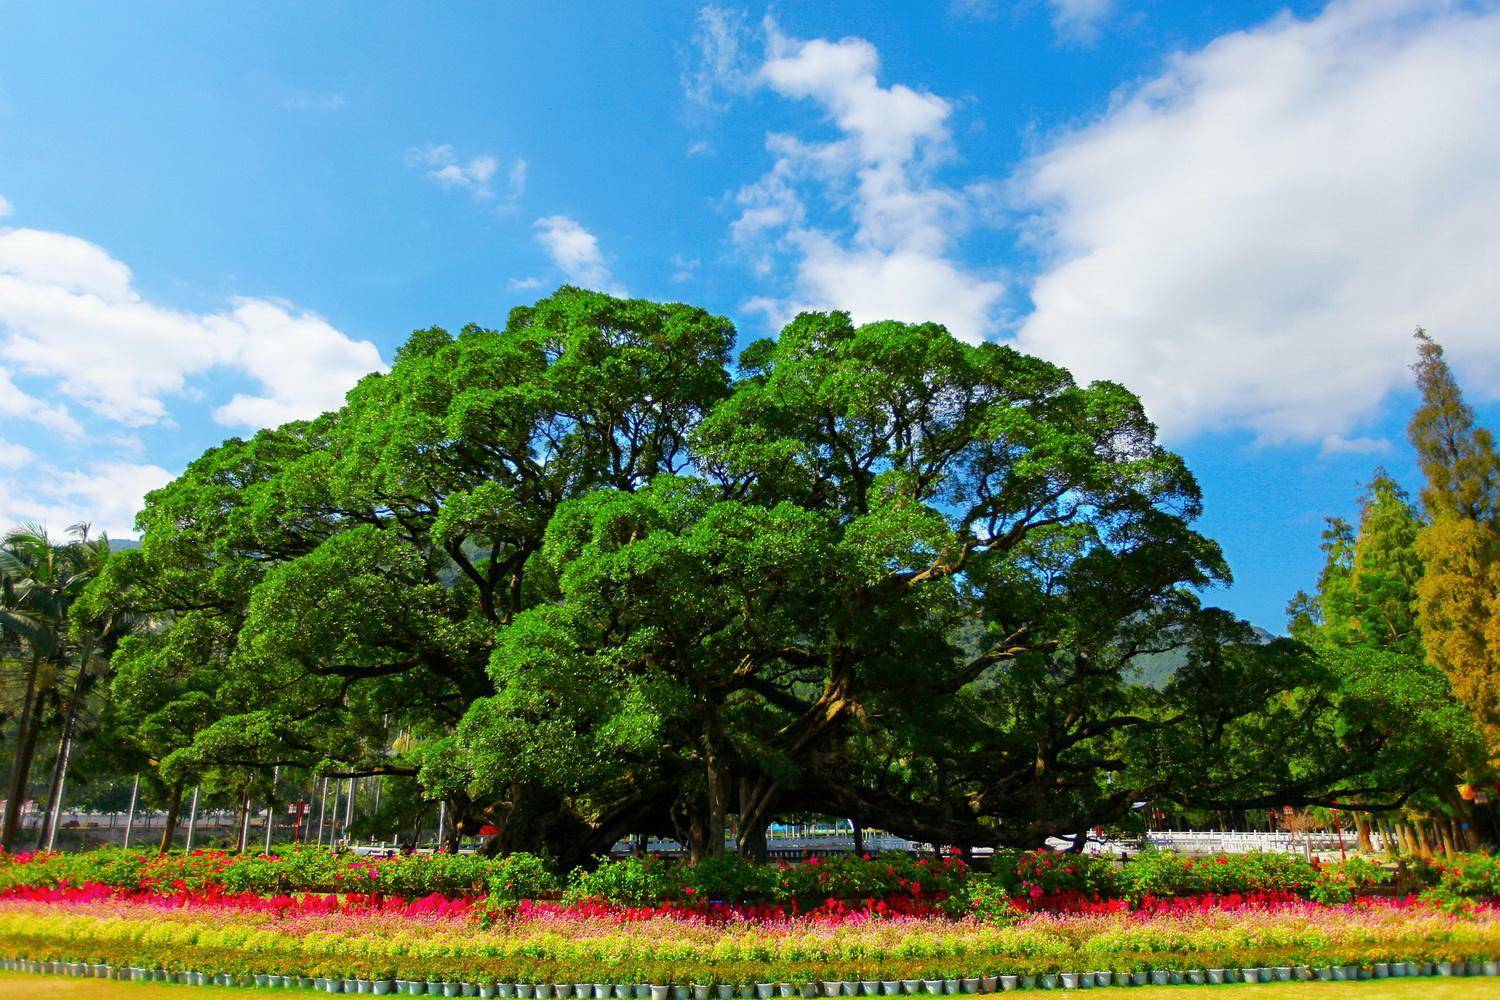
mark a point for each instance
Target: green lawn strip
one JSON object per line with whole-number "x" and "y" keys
{"x": 24, "y": 986}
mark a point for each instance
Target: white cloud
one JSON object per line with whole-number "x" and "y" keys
{"x": 1079, "y": 20}
{"x": 719, "y": 64}
{"x": 474, "y": 175}
{"x": 304, "y": 365}
{"x": 1335, "y": 444}
{"x": 524, "y": 284}
{"x": 315, "y": 102}
{"x": 106, "y": 495}
{"x": 1249, "y": 239}
{"x": 575, "y": 252}
{"x": 13, "y": 456}
{"x": 1073, "y": 20}
{"x": 15, "y": 404}
{"x": 5, "y": 207}
{"x": 69, "y": 314}
{"x": 897, "y": 259}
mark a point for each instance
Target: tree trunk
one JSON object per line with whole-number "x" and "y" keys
{"x": 756, "y": 799}
{"x": 1362, "y": 830}
{"x": 241, "y": 823}
{"x": 718, "y": 792}
{"x": 64, "y": 743}
{"x": 174, "y": 809}
{"x": 1450, "y": 845}
{"x": 26, "y": 734}
{"x": 859, "y": 837}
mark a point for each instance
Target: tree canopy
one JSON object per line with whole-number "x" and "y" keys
{"x": 582, "y": 578}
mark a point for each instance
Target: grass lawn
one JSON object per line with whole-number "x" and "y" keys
{"x": 24, "y": 986}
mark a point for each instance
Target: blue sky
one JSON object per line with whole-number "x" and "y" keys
{"x": 214, "y": 218}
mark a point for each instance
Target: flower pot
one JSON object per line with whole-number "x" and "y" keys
{"x": 1380, "y": 970}
{"x": 661, "y": 992}
{"x": 364, "y": 986}
{"x": 1028, "y": 982}
{"x": 1326, "y": 973}
{"x": 526, "y": 991}
{"x": 1492, "y": 968}
{"x": 1195, "y": 976}
{"x": 869, "y": 989}
{"x": 1050, "y": 981}
{"x": 602, "y": 991}
{"x": 951, "y": 986}
{"x": 544, "y": 991}
{"x": 1252, "y": 975}
{"x": 1475, "y": 969}
{"x": 1302, "y": 973}
{"x": 808, "y": 991}
{"x": 1069, "y": 980}
{"x": 724, "y": 991}
{"x": 964, "y": 986}
{"x": 1175, "y": 977}
{"x": 434, "y": 987}
{"x": 701, "y": 992}
{"x": 383, "y": 987}
{"x": 453, "y": 989}
{"x": 1215, "y": 976}
{"x": 1140, "y": 978}
{"x": 764, "y": 990}
{"x": 989, "y": 984}
{"x": 911, "y": 987}
{"x": 1445, "y": 968}
{"x": 845, "y": 989}
{"x": 1351, "y": 972}
{"x": 471, "y": 989}
{"x": 890, "y": 989}
{"x": 933, "y": 986}
{"x": 1105, "y": 978}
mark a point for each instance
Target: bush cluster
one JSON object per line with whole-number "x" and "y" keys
{"x": 293, "y": 870}
{"x": 895, "y": 883}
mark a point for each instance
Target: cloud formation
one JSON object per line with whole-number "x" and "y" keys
{"x": 575, "y": 252}
{"x": 1249, "y": 238}
{"x": 446, "y": 169}
{"x": 70, "y": 315}
{"x": 861, "y": 220}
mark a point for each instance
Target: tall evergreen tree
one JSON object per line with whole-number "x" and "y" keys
{"x": 1458, "y": 606}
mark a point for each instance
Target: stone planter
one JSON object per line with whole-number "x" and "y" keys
{"x": 1050, "y": 980}
{"x": 1255, "y": 975}
{"x": 932, "y": 986}
{"x": 1008, "y": 983}
{"x": 965, "y": 986}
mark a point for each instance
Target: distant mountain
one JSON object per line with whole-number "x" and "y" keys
{"x": 121, "y": 544}
{"x": 1156, "y": 669}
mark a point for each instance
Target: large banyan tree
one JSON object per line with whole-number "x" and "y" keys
{"x": 581, "y": 578}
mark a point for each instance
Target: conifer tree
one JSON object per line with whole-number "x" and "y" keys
{"x": 1458, "y": 606}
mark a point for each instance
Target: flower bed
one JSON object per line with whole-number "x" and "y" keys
{"x": 559, "y": 946}
{"x": 891, "y": 885}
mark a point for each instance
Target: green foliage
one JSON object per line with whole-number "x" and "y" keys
{"x": 577, "y": 581}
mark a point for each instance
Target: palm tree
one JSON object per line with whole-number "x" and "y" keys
{"x": 40, "y": 579}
